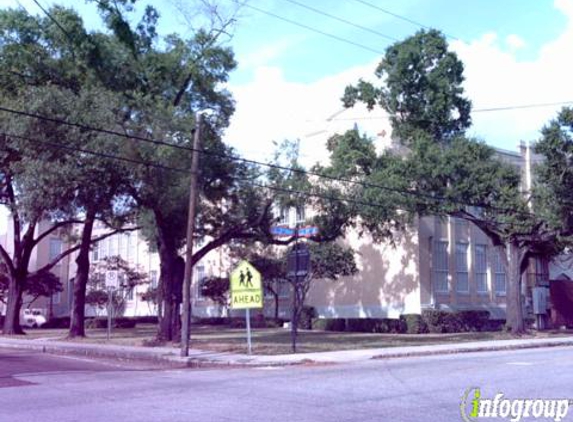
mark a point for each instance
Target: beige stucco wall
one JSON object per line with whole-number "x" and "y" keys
{"x": 386, "y": 286}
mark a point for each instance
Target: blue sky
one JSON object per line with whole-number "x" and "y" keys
{"x": 290, "y": 79}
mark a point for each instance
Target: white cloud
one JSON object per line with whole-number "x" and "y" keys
{"x": 270, "y": 108}
{"x": 514, "y": 42}
{"x": 496, "y": 78}
{"x": 274, "y": 108}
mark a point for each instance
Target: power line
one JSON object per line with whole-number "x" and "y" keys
{"x": 249, "y": 161}
{"x": 364, "y": 28}
{"x": 310, "y": 28}
{"x": 401, "y": 17}
{"x": 74, "y": 150}
{"x": 477, "y": 110}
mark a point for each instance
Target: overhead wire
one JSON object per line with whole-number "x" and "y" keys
{"x": 401, "y": 17}
{"x": 311, "y": 28}
{"x": 247, "y": 161}
{"x": 346, "y": 21}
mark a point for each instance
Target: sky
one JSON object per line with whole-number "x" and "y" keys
{"x": 290, "y": 75}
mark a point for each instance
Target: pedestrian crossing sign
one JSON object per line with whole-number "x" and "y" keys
{"x": 246, "y": 287}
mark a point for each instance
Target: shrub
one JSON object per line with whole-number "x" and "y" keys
{"x": 474, "y": 320}
{"x": 305, "y": 319}
{"x": 57, "y": 322}
{"x": 121, "y": 322}
{"x": 212, "y": 321}
{"x": 415, "y": 323}
{"x": 329, "y": 324}
{"x": 361, "y": 325}
{"x": 150, "y": 319}
{"x": 442, "y": 321}
{"x": 455, "y": 322}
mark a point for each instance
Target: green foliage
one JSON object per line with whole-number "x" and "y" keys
{"x": 306, "y": 316}
{"x": 553, "y": 190}
{"x": 216, "y": 289}
{"x": 415, "y": 324}
{"x": 129, "y": 278}
{"x": 422, "y": 88}
{"x": 455, "y": 322}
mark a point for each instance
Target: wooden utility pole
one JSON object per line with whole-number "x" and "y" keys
{"x": 186, "y": 324}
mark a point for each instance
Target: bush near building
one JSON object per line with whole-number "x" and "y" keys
{"x": 431, "y": 321}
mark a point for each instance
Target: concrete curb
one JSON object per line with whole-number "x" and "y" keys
{"x": 476, "y": 349}
{"x": 112, "y": 352}
{"x": 202, "y": 359}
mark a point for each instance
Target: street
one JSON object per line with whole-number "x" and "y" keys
{"x": 39, "y": 387}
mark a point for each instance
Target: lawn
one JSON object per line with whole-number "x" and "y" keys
{"x": 272, "y": 341}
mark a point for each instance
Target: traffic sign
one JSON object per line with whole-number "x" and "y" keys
{"x": 282, "y": 231}
{"x": 308, "y": 231}
{"x": 246, "y": 287}
{"x": 111, "y": 279}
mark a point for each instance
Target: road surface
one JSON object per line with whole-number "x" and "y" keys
{"x": 38, "y": 387}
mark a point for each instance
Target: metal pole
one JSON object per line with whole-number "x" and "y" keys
{"x": 294, "y": 321}
{"x": 108, "y": 313}
{"x": 186, "y": 324}
{"x": 248, "y": 321}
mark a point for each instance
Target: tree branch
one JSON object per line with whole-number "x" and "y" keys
{"x": 53, "y": 229}
{"x": 73, "y": 249}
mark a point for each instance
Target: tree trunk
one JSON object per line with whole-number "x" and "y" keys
{"x": 170, "y": 292}
{"x": 13, "y": 306}
{"x": 77, "y": 328}
{"x": 276, "y": 296}
{"x": 513, "y": 297}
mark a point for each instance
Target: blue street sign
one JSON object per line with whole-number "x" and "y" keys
{"x": 308, "y": 231}
{"x": 282, "y": 231}
{"x": 302, "y": 231}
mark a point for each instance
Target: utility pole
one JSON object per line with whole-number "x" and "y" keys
{"x": 186, "y": 325}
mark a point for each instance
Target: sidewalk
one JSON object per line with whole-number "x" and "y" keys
{"x": 199, "y": 358}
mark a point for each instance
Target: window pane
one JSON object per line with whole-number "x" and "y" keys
{"x": 481, "y": 268}
{"x": 462, "y": 280}
{"x": 441, "y": 266}
{"x": 500, "y": 286}
{"x": 55, "y": 248}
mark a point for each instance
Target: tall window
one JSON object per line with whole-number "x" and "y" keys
{"x": 441, "y": 266}
{"x": 153, "y": 278}
{"x": 113, "y": 245}
{"x": 481, "y": 268}
{"x": 55, "y": 247}
{"x": 499, "y": 275}
{"x": 300, "y": 214}
{"x": 283, "y": 215}
{"x": 128, "y": 246}
{"x": 200, "y": 277}
{"x": 462, "y": 279}
{"x": 95, "y": 252}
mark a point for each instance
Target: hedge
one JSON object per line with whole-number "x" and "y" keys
{"x": 433, "y": 321}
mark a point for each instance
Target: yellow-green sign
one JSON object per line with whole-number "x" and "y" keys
{"x": 246, "y": 287}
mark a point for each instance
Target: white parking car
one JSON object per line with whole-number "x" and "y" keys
{"x": 33, "y": 318}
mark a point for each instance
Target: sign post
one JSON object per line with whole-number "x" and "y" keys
{"x": 111, "y": 283}
{"x": 246, "y": 293}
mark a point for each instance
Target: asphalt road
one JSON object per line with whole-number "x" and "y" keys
{"x": 50, "y": 388}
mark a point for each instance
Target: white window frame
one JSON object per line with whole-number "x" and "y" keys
{"x": 480, "y": 268}
{"x": 441, "y": 269}
{"x": 499, "y": 273}
{"x": 462, "y": 268}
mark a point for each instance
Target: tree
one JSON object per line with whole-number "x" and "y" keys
{"x": 441, "y": 172}
{"x": 422, "y": 88}
{"x": 216, "y": 289}
{"x": 43, "y": 284}
{"x": 129, "y": 278}
{"x": 43, "y": 180}
{"x": 328, "y": 260}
